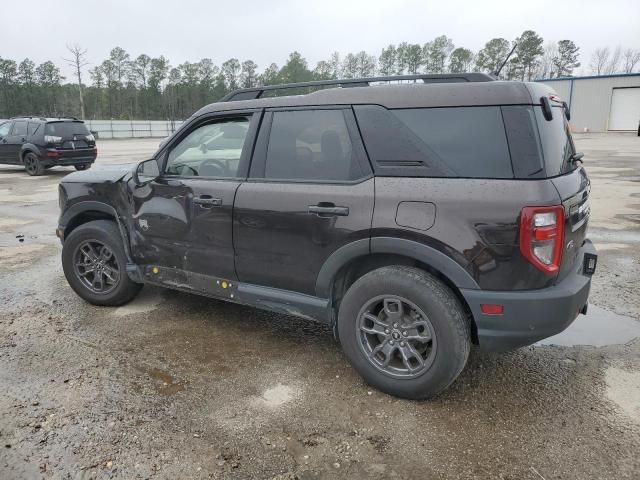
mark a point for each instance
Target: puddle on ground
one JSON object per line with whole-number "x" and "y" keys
{"x": 164, "y": 381}
{"x": 147, "y": 301}
{"x": 598, "y": 328}
{"x": 623, "y": 388}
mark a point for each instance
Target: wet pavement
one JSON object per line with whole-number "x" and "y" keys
{"x": 178, "y": 386}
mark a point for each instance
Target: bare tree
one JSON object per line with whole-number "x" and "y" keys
{"x": 78, "y": 62}
{"x": 631, "y": 59}
{"x": 614, "y": 63}
{"x": 599, "y": 60}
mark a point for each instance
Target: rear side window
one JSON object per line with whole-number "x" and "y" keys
{"x": 557, "y": 144}
{"x": 33, "y": 128}
{"x": 66, "y": 129}
{"x": 438, "y": 142}
{"x": 311, "y": 145}
{"x": 19, "y": 128}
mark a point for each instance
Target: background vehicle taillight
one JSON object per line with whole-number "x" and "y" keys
{"x": 542, "y": 236}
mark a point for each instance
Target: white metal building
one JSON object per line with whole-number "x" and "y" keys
{"x": 601, "y": 103}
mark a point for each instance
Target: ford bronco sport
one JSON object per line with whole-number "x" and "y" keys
{"x": 40, "y": 143}
{"x": 415, "y": 218}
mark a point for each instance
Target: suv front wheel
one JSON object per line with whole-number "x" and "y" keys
{"x": 404, "y": 331}
{"x": 94, "y": 262}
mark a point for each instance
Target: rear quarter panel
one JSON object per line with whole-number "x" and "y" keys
{"x": 476, "y": 223}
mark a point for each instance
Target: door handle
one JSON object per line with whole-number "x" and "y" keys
{"x": 206, "y": 201}
{"x": 328, "y": 209}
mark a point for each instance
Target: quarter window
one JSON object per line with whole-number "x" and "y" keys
{"x": 33, "y": 128}
{"x": 211, "y": 150}
{"x": 311, "y": 145}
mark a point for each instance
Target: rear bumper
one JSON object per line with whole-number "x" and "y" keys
{"x": 531, "y": 315}
{"x": 72, "y": 157}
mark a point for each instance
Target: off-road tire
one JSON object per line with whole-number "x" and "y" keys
{"x": 107, "y": 233}
{"x": 444, "y": 312}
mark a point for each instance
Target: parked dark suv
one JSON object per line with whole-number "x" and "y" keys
{"x": 40, "y": 143}
{"x": 416, "y": 219}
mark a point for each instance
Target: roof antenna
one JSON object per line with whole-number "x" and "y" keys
{"x": 497, "y": 72}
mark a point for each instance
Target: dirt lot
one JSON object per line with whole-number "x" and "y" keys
{"x": 177, "y": 386}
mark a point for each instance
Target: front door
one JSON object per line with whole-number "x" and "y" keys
{"x": 14, "y": 141}
{"x": 182, "y": 221}
{"x": 310, "y": 192}
{"x": 5, "y": 128}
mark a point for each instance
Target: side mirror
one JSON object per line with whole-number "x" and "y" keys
{"x": 145, "y": 172}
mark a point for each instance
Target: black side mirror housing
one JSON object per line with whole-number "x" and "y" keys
{"x": 547, "y": 113}
{"x": 146, "y": 172}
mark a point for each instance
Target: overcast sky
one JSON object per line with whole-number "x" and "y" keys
{"x": 266, "y": 31}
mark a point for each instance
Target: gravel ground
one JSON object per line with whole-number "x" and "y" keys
{"x": 178, "y": 386}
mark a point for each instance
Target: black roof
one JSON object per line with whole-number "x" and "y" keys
{"x": 398, "y": 96}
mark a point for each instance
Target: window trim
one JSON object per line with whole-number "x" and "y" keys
{"x": 254, "y": 116}
{"x": 259, "y": 160}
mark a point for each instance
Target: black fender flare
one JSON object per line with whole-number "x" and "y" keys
{"x": 398, "y": 246}
{"x": 93, "y": 206}
{"x": 28, "y": 147}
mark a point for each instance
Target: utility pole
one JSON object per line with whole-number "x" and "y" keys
{"x": 78, "y": 62}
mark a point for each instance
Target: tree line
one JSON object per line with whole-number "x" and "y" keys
{"x": 143, "y": 87}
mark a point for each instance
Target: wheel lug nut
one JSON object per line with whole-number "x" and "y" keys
{"x": 386, "y": 330}
{"x": 395, "y": 325}
{"x": 391, "y": 342}
{"x": 405, "y": 333}
{"x": 402, "y": 344}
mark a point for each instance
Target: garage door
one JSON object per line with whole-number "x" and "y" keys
{"x": 625, "y": 109}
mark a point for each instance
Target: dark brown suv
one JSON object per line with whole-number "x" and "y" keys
{"x": 416, "y": 218}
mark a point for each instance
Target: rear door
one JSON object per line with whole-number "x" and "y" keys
{"x": 569, "y": 178}
{"x": 182, "y": 221}
{"x": 310, "y": 192}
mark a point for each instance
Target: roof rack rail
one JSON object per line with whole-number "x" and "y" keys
{"x": 257, "y": 92}
{"x": 28, "y": 116}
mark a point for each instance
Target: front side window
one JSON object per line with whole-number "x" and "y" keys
{"x": 19, "y": 128}
{"x": 211, "y": 150}
{"x": 311, "y": 145}
{"x": 4, "y": 129}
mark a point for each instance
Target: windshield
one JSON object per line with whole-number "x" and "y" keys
{"x": 557, "y": 144}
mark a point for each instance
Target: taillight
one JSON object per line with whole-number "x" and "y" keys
{"x": 542, "y": 236}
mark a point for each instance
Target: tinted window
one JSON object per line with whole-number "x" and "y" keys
{"x": 557, "y": 144}
{"x": 211, "y": 150}
{"x": 470, "y": 141}
{"x": 311, "y": 145}
{"x": 19, "y": 128}
{"x": 4, "y": 129}
{"x": 524, "y": 143}
{"x": 66, "y": 129}
{"x": 33, "y": 128}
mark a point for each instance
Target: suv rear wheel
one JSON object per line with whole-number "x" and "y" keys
{"x": 404, "y": 331}
{"x": 32, "y": 164}
{"x": 82, "y": 166}
{"x": 94, "y": 262}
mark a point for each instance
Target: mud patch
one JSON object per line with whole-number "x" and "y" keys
{"x": 21, "y": 256}
{"x": 623, "y": 388}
